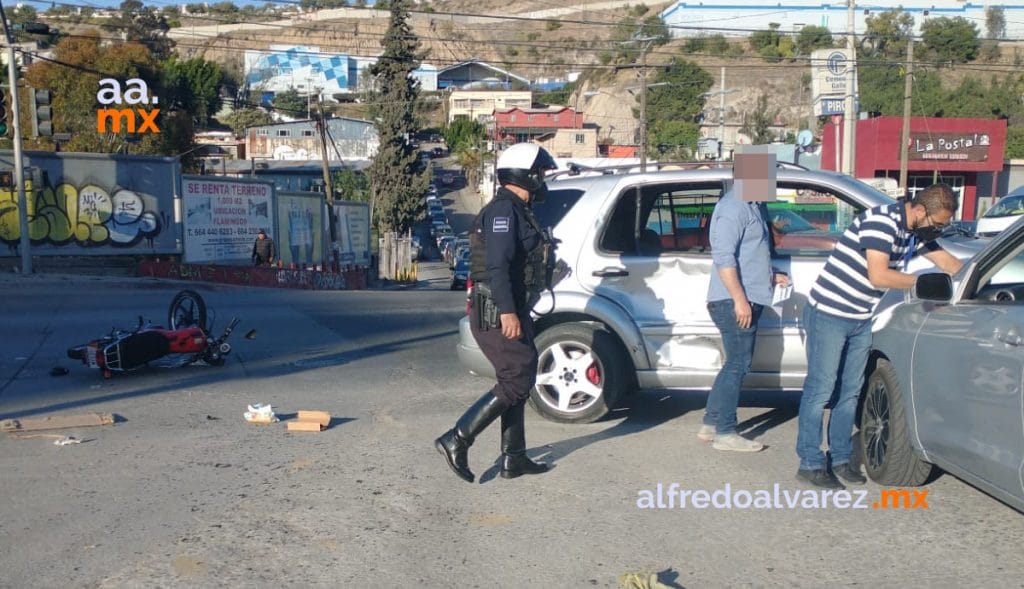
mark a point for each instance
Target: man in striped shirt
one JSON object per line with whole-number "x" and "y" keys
{"x": 870, "y": 257}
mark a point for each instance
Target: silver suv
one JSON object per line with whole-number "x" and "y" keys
{"x": 633, "y": 312}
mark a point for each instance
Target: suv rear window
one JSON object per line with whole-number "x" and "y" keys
{"x": 555, "y": 206}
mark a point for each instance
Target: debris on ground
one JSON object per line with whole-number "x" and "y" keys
{"x": 261, "y": 414}
{"x": 59, "y": 371}
{"x": 67, "y": 440}
{"x": 310, "y": 421}
{"x": 641, "y": 580}
{"x": 56, "y": 422}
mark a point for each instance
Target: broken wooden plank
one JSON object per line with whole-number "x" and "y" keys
{"x": 56, "y": 422}
{"x": 310, "y": 421}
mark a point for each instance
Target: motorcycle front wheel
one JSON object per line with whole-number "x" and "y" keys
{"x": 187, "y": 310}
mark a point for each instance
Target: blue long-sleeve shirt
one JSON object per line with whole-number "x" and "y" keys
{"x": 740, "y": 239}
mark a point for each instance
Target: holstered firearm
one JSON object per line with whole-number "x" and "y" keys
{"x": 485, "y": 312}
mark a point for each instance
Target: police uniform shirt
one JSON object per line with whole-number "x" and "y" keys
{"x": 509, "y": 237}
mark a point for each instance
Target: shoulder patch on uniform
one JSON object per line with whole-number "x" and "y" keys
{"x": 500, "y": 225}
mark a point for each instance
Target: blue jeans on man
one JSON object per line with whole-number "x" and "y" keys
{"x": 738, "y": 345}
{"x": 837, "y": 353}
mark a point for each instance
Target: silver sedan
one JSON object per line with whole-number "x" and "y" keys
{"x": 945, "y": 384}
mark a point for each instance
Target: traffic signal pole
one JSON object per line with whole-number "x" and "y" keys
{"x": 19, "y": 169}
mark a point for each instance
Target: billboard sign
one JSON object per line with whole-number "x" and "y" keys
{"x": 352, "y": 232}
{"x": 222, "y": 217}
{"x": 829, "y": 70}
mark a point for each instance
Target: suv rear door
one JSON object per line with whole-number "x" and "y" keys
{"x": 659, "y": 269}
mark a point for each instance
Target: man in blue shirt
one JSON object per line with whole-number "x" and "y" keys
{"x": 741, "y": 286}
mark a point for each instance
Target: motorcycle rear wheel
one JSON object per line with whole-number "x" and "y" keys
{"x": 187, "y": 310}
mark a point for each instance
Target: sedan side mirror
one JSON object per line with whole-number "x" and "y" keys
{"x": 935, "y": 286}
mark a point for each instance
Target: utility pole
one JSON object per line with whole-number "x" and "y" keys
{"x": 19, "y": 165}
{"x": 908, "y": 87}
{"x": 321, "y": 125}
{"x": 721, "y": 116}
{"x": 849, "y": 108}
{"x": 643, "y": 108}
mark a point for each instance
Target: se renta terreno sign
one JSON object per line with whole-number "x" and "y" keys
{"x": 963, "y": 147}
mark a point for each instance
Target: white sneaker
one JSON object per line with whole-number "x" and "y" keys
{"x": 736, "y": 443}
{"x": 706, "y": 433}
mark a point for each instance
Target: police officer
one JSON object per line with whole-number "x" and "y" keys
{"x": 508, "y": 252}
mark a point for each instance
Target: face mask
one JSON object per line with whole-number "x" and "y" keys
{"x": 926, "y": 234}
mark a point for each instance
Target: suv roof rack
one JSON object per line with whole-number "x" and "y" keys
{"x": 575, "y": 169}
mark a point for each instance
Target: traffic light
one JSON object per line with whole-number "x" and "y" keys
{"x": 3, "y": 111}
{"x": 42, "y": 126}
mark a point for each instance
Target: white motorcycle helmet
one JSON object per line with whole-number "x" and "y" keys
{"x": 524, "y": 165}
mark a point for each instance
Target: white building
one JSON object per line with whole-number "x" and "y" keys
{"x": 734, "y": 17}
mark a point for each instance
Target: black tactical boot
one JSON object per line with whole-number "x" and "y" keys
{"x": 514, "y": 461}
{"x": 455, "y": 443}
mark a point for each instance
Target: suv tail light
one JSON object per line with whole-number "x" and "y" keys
{"x": 469, "y": 295}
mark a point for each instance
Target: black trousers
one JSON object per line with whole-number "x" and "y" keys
{"x": 514, "y": 361}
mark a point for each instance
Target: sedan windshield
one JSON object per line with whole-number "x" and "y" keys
{"x": 1007, "y": 207}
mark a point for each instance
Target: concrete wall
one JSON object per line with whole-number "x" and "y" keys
{"x": 92, "y": 204}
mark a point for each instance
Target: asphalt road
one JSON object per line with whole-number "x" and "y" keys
{"x": 183, "y": 492}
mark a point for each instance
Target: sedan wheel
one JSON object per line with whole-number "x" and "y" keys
{"x": 889, "y": 455}
{"x": 580, "y": 373}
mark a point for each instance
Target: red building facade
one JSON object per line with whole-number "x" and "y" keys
{"x": 953, "y": 151}
{"x": 516, "y": 125}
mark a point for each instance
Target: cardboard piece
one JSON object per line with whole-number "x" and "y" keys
{"x": 56, "y": 422}
{"x": 310, "y": 421}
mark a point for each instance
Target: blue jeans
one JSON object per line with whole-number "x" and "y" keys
{"x": 738, "y": 345}
{"x": 837, "y": 356}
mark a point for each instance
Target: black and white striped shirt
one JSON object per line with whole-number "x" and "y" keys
{"x": 843, "y": 288}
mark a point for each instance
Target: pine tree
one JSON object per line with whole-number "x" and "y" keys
{"x": 396, "y": 188}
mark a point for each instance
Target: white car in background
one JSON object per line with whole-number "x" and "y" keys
{"x": 1002, "y": 214}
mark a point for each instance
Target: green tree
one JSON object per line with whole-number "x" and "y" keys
{"x": 890, "y": 31}
{"x": 351, "y": 184}
{"x": 395, "y": 186}
{"x": 995, "y": 22}
{"x": 73, "y": 76}
{"x": 674, "y": 140}
{"x": 813, "y": 37}
{"x": 559, "y": 96}
{"x": 672, "y": 108}
{"x": 241, "y": 119}
{"x": 762, "y": 39}
{"x": 194, "y": 86}
{"x": 881, "y": 89}
{"x": 995, "y": 29}
{"x": 471, "y": 160}
{"x": 951, "y": 39}
{"x": 757, "y": 125}
{"x": 1014, "y": 143}
{"x": 136, "y": 22}
{"x": 290, "y": 102}
{"x": 462, "y": 133}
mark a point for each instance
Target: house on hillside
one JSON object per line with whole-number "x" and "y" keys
{"x": 347, "y": 139}
{"x": 479, "y": 105}
{"x": 691, "y": 19}
{"x": 558, "y": 129}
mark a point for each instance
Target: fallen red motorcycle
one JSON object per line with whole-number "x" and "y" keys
{"x": 185, "y": 341}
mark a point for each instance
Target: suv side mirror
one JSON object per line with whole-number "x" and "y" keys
{"x": 935, "y": 286}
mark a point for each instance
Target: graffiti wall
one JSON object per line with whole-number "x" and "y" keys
{"x": 81, "y": 203}
{"x": 223, "y": 216}
{"x": 301, "y": 228}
